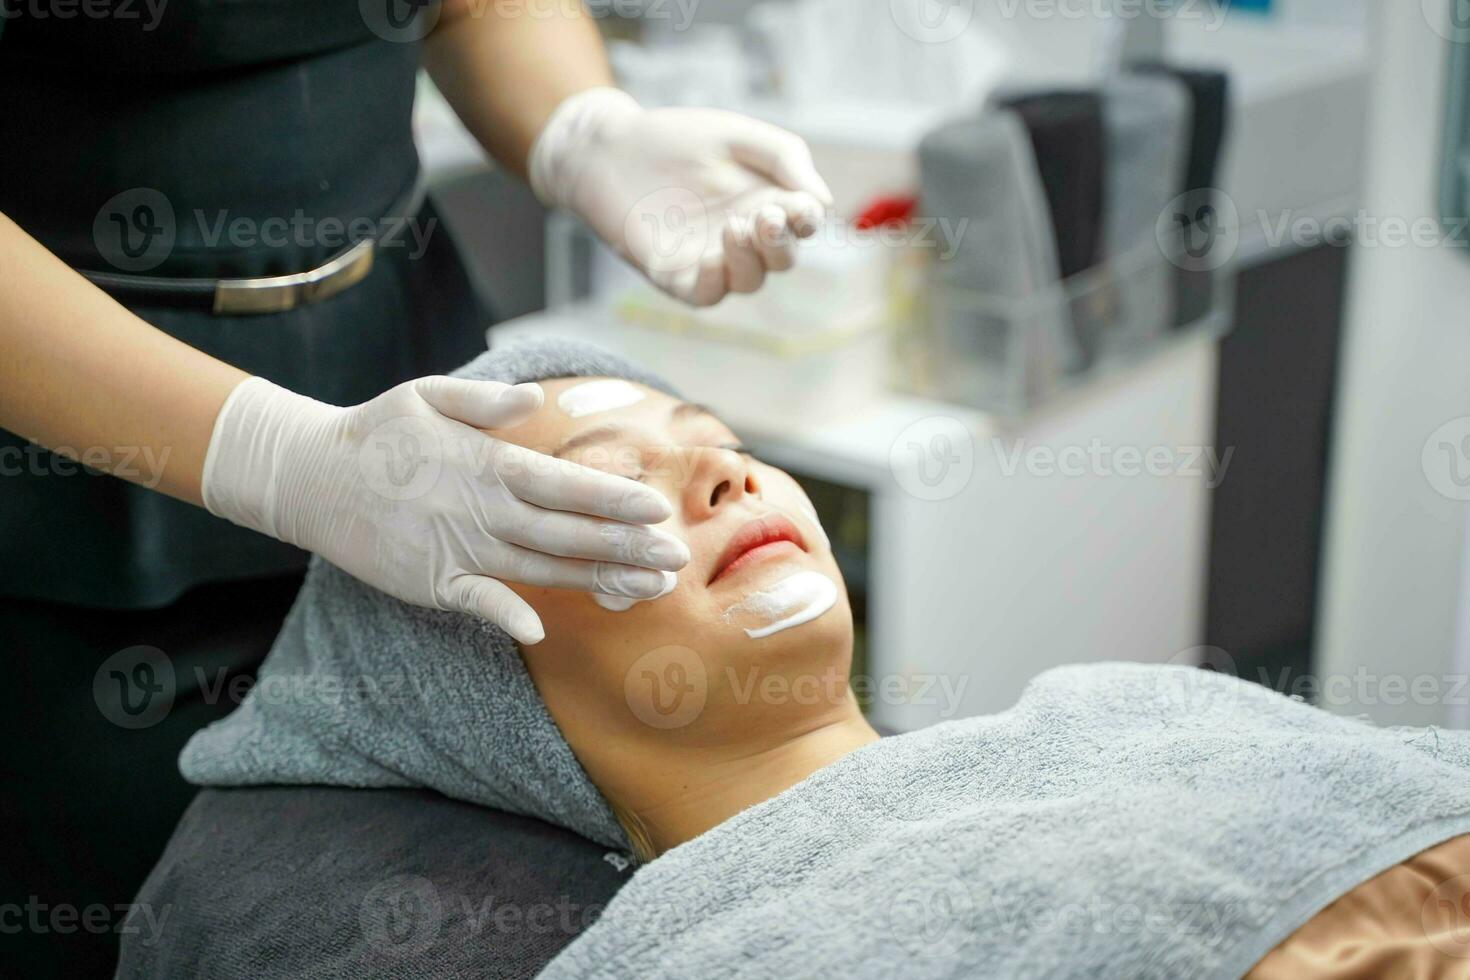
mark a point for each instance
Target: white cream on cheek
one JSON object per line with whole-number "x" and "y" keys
{"x": 796, "y": 599}
{"x": 618, "y": 603}
{"x": 591, "y": 397}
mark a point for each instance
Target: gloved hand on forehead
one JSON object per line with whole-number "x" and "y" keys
{"x": 703, "y": 202}
{"x": 406, "y": 494}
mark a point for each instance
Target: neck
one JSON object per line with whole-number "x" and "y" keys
{"x": 708, "y": 791}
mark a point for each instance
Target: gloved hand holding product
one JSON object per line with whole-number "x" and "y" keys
{"x": 406, "y": 494}
{"x": 703, "y": 202}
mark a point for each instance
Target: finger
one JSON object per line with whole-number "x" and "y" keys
{"x": 492, "y": 600}
{"x": 744, "y": 269}
{"x": 779, "y": 155}
{"x": 559, "y": 484}
{"x": 773, "y": 240}
{"x": 607, "y": 578}
{"x": 482, "y": 404}
{"x": 566, "y": 535}
{"x": 700, "y": 284}
{"x": 804, "y": 213}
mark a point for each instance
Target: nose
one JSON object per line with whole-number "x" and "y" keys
{"x": 717, "y": 478}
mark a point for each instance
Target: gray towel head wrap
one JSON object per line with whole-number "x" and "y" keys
{"x": 363, "y": 690}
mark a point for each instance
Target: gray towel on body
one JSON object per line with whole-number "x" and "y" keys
{"x": 363, "y": 690}
{"x": 1119, "y": 821}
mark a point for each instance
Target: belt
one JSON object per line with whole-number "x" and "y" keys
{"x": 263, "y": 294}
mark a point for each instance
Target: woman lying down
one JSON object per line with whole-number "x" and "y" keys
{"x": 1119, "y": 820}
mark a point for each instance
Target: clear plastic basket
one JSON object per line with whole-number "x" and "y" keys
{"x": 1009, "y": 354}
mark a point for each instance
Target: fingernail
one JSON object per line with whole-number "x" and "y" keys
{"x": 528, "y": 393}
{"x": 636, "y": 583}
{"x": 646, "y": 506}
{"x": 666, "y": 551}
{"x": 527, "y": 627}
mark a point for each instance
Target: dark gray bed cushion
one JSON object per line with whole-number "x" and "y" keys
{"x": 330, "y": 882}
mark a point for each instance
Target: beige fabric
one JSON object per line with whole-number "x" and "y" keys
{"x": 1412, "y": 921}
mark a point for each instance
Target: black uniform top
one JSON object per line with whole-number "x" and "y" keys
{"x": 212, "y": 138}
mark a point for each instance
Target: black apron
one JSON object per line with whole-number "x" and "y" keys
{"x": 272, "y": 129}
{"x": 242, "y": 115}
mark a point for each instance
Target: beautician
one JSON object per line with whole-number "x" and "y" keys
{"x": 212, "y": 234}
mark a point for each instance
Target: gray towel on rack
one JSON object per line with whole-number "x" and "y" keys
{"x": 998, "y": 323}
{"x": 363, "y": 690}
{"x": 1147, "y": 123}
{"x": 1121, "y": 820}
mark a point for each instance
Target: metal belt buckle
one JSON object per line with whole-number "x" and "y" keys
{"x": 276, "y": 294}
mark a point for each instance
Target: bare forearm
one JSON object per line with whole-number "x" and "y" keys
{"x": 504, "y": 72}
{"x": 79, "y": 372}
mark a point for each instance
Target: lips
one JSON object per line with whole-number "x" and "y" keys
{"x": 757, "y": 536}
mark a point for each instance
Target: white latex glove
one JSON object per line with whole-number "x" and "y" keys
{"x": 701, "y": 201}
{"x": 405, "y": 494}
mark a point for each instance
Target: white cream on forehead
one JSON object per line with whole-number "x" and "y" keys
{"x": 794, "y": 600}
{"x": 620, "y": 603}
{"x": 591, "y": 397}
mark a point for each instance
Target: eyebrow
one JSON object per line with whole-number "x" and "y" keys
{"x": 611, "y": 430}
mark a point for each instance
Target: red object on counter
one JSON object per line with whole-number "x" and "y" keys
{"x": 894, "y": 209}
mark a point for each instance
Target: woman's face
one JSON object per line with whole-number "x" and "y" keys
{"x": 756, "y": 636}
